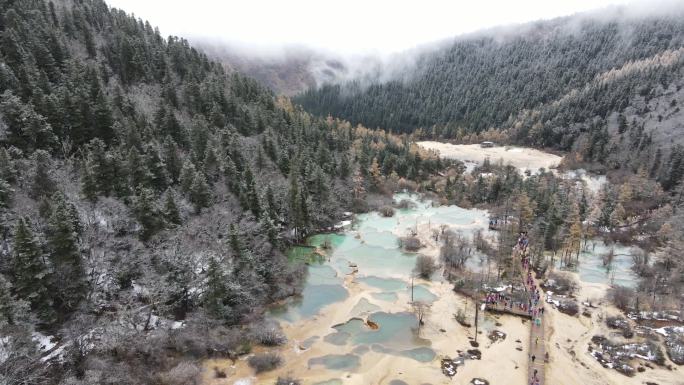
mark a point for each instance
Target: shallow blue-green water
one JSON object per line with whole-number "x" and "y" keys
{"x": 370, "y": 249}
{"x": 386, "y": 296}
{"x": 385, "y": 284}
{"x": 591, "y": 268}
{"x": 313, "y": 299}
{"x": 364, "y": 307}
{"x": 343, "y": 362}
{"x": 422, "y": 293}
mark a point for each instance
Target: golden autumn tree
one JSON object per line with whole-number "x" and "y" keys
{"x": 575, "y": 231}
{"x": 375, "y": 175}
{"x": 525, "y": 210}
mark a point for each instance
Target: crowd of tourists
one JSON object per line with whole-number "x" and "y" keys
{"x": 532, "y": 304}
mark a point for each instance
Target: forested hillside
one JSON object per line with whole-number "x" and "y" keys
{"x": 146, "y": 197}
{"x": 562, "y": 83}
{"x": 289, "y": 71}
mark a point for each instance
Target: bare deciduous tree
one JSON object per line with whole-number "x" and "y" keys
{"x": 456, "y": 249}
{"x": 421, "y": 309}
{"x": 425, "y": 266}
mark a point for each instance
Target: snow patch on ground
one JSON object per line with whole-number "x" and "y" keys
{"x": 4, "y": 349}
{"x": 57, "y": 354}
{"x": 140, "y": 290}
{"x": 343, "y": 224}
{"x": 498, "y": 289}
{"x": 594, "y": 182}
{"x": 243, "y": 381}
{"x": 45, "y": 343}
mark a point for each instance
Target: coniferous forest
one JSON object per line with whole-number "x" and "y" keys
{"x": 143, "y": 188}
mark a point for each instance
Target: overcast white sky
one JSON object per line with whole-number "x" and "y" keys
{"x": 349, "y": 26}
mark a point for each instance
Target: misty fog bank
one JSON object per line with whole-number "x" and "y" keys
{"x": 290, "y": 69}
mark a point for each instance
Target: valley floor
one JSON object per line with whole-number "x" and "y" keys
{"x": 503, "y": 362}
{"x": 520, "y": 157}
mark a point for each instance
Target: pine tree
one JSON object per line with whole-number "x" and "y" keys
{"x": 160, "y": 119}
{"x": 29, "y": 274}
{"x": 172, "y": 160}
{"x": 364, "y": 160}
{"x": 7, "y": 170}
{"x": 120, "y": 174}
{"x": 216, "y": 117}
{"x": 27, "y": 129}
{"x": 5, "y": 194}
{"x": 622, "y": 124}
{"x": 199, "y": 192}
{"x": 675, "y": 168}
{"x": 181, "y": 280}
{"x": 12, "y": 309}
{"x": 146, "y": 213}
{"x": 304, "y": 209}
{"x": 284, "y": 163}
{"x": 89, "y": 187}
{"x": 200, "y": 138}
{"x": 75, "y": 219}
{"x": 295, "y": 204}
{"x": 605, "y": 205}
{"x": 216, "y": 292}
{"x": 42, "y": 184}
{"x": 320, "y": 187}
{"x": 173, "y": 128}
{"x": 235, "y": 244}
{"x": 271, "y": 206}
{"x": 232, "y": 176}
{"x": 270, "y": 230}
{"x": 138, "y": 173}
{"x": 89, "y": 43}
{"x": 102, "y": 118}
{"x": 344, "y": 167}
{"x": 252, "y": 197}
{"x": 211, "y": 165}
{"x": 101, "y": 165}
{"x": 655, "y": 167}
{"x": 171, "y": 213}
{"x": 260, "y": 161}
{"x": 157, "y": 169}
{"x": 583, "y": 207}
{"x": 187, "y": 176}
{"x": 62, "y": 241}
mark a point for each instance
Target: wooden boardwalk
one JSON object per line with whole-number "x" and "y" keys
{"x": 507, "y": 310}
{"x": 537, "y": 349}
{"x": 536, "y": 371}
